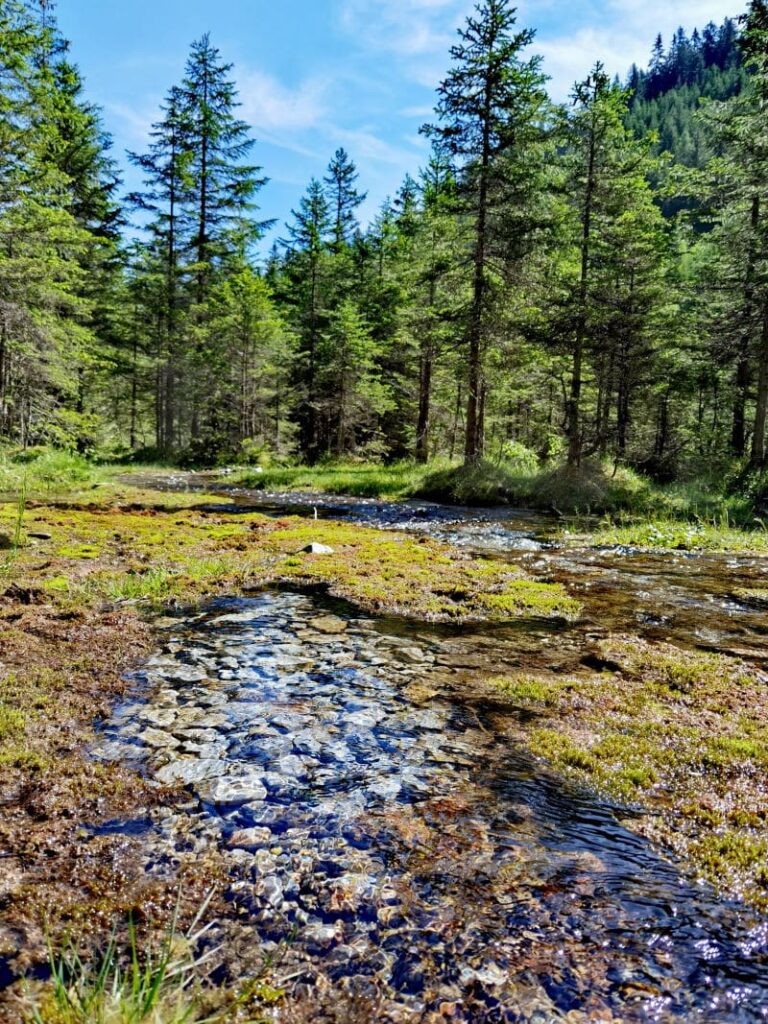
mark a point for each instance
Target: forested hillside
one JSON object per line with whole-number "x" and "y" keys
{"x": 666, "y": 98}
{"x": 525, "y": 296}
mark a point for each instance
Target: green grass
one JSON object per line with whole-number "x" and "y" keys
{"x": 675, "y": 535}
{"x": 126, "y": 985}
{"x": 45, "y": 472}
{"x": 594, "y": 488}
{"x": 361, "y": 480}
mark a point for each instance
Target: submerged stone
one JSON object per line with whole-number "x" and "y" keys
{"x": 229, "y": 792}
{"x": 250, "y": 838}
{"x": 329, "y": 624}
{"x": 191, "y": 770}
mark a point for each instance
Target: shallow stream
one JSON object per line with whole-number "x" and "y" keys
{"x": 383, "y": 832}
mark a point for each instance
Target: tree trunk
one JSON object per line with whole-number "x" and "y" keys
{"x": 573, "y": 406}
{"x": 473, "y": 448}
{"x": 743, "y": 375}
{"x": 456, "y": 416}
{"x": 134, "y": 392}
{"x": 739, "y": 425}
{"x": 425, "y": 401}
{"x": 757, "y": 458}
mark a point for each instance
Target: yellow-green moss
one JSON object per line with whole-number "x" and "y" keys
{"x": 683, "y": 733}
{"x": 154, "y": 555}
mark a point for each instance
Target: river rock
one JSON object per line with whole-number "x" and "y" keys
{"x": 365, "y": 719}
{"x": 161, "y": 717}
{"x": 190, "y": 770}
{"x": 158, "y": 738}
{"x": 387, "y": 789}
{"x": 414, "y": 654}
{"x": 233, "y": 791}
{"x": 250, "y": 838}
{"x": 490, "y": 976}
{"x": 307, "y": 743}
{"x": 328, "y": 624}
{"x": 271, "y": 890}
{"x": 291, "y": 765}
{"x": 182, "y": 673}
{"x": 320, "y": 936}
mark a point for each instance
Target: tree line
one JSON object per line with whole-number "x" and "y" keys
{"x": 559, "y": 281}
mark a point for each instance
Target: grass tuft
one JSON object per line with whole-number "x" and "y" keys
{"x": 126, "y": 986}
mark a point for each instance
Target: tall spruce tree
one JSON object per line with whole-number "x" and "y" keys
{"x": 343, "y": 197}
{"x": 307, "y": 248}
{"x": 46, "y": 337}
{"x": 491, "y": 94}
{"x": 607, "y": 173}
{"x": 168, "y": 196}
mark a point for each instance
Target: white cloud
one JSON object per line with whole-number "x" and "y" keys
{"x": 406, "y": 28}
{"x": 658, "y": 16}
{"x": 425, "y": 110}
{"x": 269, "y": 105}
{"x": 623, "y": 37}
{"x": 366, "y": 147}
{"x": 568, "y": 59}
{"x": 137, "y": 122}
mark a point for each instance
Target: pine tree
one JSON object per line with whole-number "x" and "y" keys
{"x": 46, "y": 341}
{"x": 491, "y": 97}
{"x": 607, "y": 182}
{"x": 307, "y": 247}
{"x": 343, "y": 197}
{"x": 352, "y": 393}
{"x": 168, "y": 197}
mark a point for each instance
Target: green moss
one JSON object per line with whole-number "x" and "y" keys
{"x": 522, "y": 597}
{"x": 734, "y": 854}
{"x": 727, "y": 751}
{"x": 23, "y": 698}
{"x": 58, "y": 584}
{"x": 78, "y": 551}
{"x": 681, "y": 732}
{"x": 535, "y": 690}
{"x": 150, "y": 555}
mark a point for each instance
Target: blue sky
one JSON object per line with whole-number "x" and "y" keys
{"x": 317, "y": 74}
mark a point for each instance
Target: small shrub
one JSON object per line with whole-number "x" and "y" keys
{"x": 519, "y": 458}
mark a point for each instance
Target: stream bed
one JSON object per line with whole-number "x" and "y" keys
{"x": 384, "y": 835}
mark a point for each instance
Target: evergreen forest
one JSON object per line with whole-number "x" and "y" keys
{"x": 557, "y": 283}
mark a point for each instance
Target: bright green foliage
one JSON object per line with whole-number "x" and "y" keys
{"x": 617, "y": 299}
{"x": 53, "y": 202}
{"x": 351, "y": 387}
{"x": 490, "y": 111}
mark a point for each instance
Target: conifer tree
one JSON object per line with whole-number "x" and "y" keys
{"x": 168, "y": 197}
{"x": 343, "y": 197}
{"x": 492, "y": 94}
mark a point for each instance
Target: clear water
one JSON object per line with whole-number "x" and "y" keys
{"x": 382, "y": 829}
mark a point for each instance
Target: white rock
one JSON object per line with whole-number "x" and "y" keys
{"x": 318, "y": 549}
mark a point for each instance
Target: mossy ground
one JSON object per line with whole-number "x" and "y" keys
{"x": 679, "y": 733}
{"x": 155, "y": 553}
